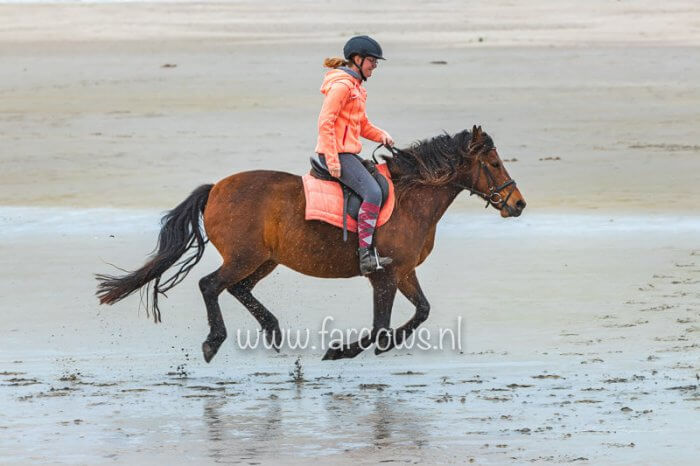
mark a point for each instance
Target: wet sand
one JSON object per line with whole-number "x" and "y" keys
{"x": 587, "y": 349}
{"x": 579, "y": 321}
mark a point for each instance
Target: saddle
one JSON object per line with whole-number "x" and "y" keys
{"x": 351, "y": 200}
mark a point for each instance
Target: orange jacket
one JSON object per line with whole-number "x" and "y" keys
{"x": 342, "y": 120}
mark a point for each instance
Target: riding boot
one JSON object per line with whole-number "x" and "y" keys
{"x": 371, "y": 261}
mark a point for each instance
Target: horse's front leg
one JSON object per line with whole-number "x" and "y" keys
{"x": 384, "y": 285}
{"x": 410, "y": 288}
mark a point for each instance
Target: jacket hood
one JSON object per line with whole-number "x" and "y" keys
{"x": 335, "y": 76}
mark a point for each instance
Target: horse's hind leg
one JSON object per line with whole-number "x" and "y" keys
{"x": 211, "y": 286}
{"x": 242, "y": 292}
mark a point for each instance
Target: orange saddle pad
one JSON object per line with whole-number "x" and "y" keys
{"x": 324, "y": 201}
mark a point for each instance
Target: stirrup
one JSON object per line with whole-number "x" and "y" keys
{"x": 371, "y": 261}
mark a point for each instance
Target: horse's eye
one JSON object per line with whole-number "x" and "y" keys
{"x": 495, "y": 164}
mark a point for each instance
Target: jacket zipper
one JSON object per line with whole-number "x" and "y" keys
{"x": 352, "y": 115}
{"x": 345, "y": 134}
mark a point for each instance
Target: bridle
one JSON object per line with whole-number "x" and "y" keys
{"x": 494, "y": 196}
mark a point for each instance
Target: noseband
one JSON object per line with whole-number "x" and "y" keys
{"x": 494, "y": 196}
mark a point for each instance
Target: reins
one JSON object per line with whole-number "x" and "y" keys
{"x": 493, "y": 197}
{"x": 389, "y": 148}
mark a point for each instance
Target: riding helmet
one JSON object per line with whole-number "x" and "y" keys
{"x": 364, "y": 46}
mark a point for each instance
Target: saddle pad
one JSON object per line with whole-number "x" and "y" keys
{"x": 324, "y": 201}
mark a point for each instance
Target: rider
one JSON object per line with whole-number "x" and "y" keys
{"x": 340, "y": 124}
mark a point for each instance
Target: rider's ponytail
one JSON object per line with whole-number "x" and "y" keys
{"x": 335, "y": 62}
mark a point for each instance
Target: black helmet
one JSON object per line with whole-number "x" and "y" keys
{"x": 364, "y": 46}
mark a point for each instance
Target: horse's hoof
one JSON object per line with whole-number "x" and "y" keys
{"x": 274, "y": 338}
{"x": 332, "y": 354}
{"x": 378, "y": 351}
{"x": 209, "y": 351}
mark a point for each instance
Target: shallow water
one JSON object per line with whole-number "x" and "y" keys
{"x": 525, "y": 411}
{"x": 591, "y": 353}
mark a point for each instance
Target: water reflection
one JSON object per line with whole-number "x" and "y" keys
{"x": 374, "y": 418}
{"x": 394, "y": 422}
{"x": 310, "y": 420}
{"x": 252, "y": 429}
{"x": 212, "y": 418}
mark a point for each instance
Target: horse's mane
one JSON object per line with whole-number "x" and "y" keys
{"x": 433, "y": 162}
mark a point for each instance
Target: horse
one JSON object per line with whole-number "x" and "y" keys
{"x": 255, "y": 219}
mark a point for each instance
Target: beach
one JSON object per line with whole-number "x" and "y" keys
{"x": 576, "y": 326}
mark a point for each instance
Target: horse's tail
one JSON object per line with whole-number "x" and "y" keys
{"x": 180, "y": 231}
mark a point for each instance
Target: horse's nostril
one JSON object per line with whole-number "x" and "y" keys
{"x": 520, "y": 204}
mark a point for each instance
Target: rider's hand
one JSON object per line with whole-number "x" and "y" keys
{"x": 335, "y": 172}
{"x": 387, "y": 140}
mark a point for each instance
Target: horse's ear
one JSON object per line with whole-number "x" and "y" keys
{"x": 476, "y": 136}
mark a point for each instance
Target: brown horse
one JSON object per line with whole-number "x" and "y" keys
{"x": 256, "y": 221}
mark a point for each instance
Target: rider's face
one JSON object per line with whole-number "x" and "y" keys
{"x": 368, "y": 65}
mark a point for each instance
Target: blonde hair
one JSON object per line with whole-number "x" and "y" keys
{"x": 335, "y": 62}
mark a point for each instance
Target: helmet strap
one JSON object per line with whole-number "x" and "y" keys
{"x": 359, "y": 67}
{"x": 364, "y": 78}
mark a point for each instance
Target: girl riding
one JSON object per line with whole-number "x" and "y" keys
{"x": 340, "y": 124}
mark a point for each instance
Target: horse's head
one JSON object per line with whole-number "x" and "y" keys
{"x": 485, "y": 175}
